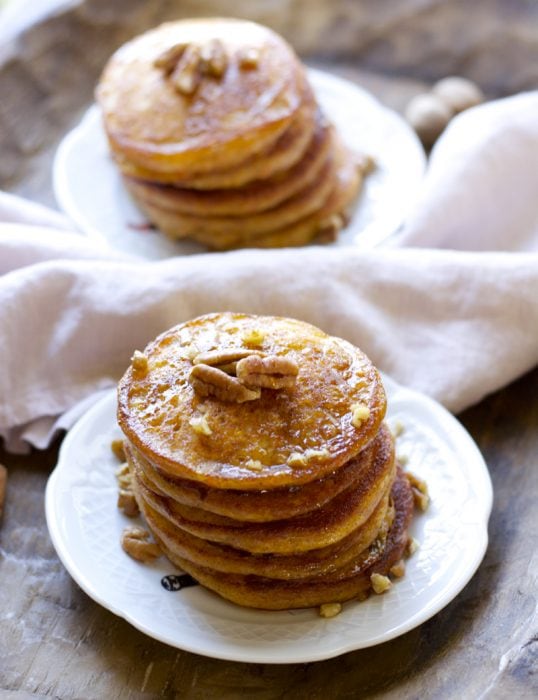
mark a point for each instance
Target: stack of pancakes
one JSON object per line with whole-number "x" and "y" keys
{"x": 219, "y": 137}
{"x": 285, "y": 496}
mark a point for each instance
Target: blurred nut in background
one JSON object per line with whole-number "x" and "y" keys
{"x": 458, "y": 93}
{"x": 428, "y": 115}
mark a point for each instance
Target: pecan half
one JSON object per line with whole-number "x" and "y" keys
{"x": 216, "y": 358}
{"x": 271, "y": 372}
{"x": 186, "y": 75}
{"x": 213, "y": 59}
{"x": 136, "y": 543}
{"x": 211, "y": 381}
{"x": 168, "y": 59}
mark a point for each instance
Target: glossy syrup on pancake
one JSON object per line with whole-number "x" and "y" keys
{"x": 257, "y": 506}
{"x": 224, "y": 121}
{"x": 313, "y": 420}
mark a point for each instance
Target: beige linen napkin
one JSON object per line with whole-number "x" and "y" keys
{"x": 455, "y": 324}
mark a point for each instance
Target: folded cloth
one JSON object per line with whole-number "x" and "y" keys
{"x": 455, "y": 324}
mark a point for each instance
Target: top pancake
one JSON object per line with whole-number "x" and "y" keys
{"x": 225, "y": 120}
{"x": 313, "y": 419}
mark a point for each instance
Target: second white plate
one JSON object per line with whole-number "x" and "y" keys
{"x": 89, "y": 189}
{"x": 86, "y": 526}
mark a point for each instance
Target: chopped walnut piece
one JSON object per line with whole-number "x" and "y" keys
{"x": 380, "y": 583}
{"x": 200, "y": 425}
{"x": 365, "y": 163}
{"x": 398, "y": 570}
{"x": 310, "y": 453}
{"x": 213, "y": 59}
{"x": 402, "y": 459}
{"x": 211, "y": 381}
{"x": 253, "y": 338}
{"x": 3, "y": 484}
{"x": 329, "y": 610}
{"x": 417, "y": 483}
{"x": 419, "y": 487}
{"x": 411, "y": 547}
{"x": 254, "y": 465}
{"x": 186, "y": 75}
{"x": 136, "y": 543}
{"x": 123, "y": 475}
{"x": 297, "y": 459}
{"x": 359, "y": 413}
{"x": 127, "y": 503}
{"x": 398, "y": 428}
{"x": 249, "y": 58}
{"x": 139, "y": 362}
{"x": 271, "y": 371}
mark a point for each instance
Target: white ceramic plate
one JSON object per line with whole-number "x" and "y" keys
{"x": 85, "y": 526}
{"x": 89, "y": 189}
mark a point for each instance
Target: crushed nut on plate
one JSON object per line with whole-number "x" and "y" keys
{"x": 398, "y": 570}
{"x": 380, "y": 583}
{"x": 117, "y": 448}
{"x": 136, "y": 542}
{"x": 412, "y": 546}
{"x": 329, "y": 610}
{"x": 123, "y": 475}
{"x": 127, "y": 503}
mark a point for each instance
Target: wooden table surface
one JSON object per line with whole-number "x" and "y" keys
{"x": 56, "y": 642}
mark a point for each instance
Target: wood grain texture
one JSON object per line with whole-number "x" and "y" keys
{"x": 56, "y": 642}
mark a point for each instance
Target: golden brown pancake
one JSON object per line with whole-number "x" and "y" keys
{"x": 217, "y": 132}
{"x": 221, "y": 123}
{"x": 278, "y": 157}
{"x": 325, "y": 222}
{"x": 258, "y": 506}
{"x": 235, "y": 561}
{"x": 313, "y": 420}
{"x": 255, "y": 197}
{"x": 259, "y": 460}
{"x": 309, "y": 199}
{"x": 318, "y": 528}
{"x": 349, "y": 581}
